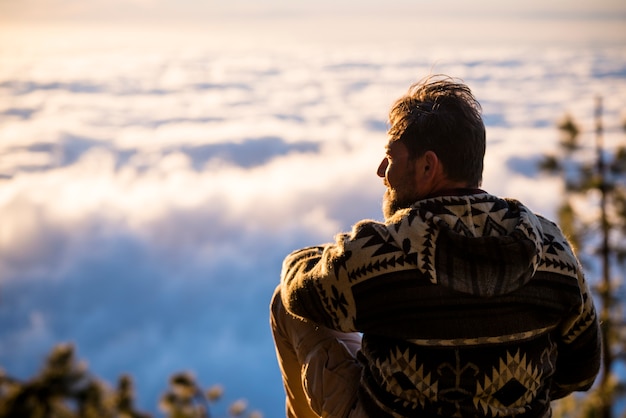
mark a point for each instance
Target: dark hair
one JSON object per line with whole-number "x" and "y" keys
{"x": 440, "y": 114}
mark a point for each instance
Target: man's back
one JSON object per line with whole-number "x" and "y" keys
{"x": 464, "y": 303}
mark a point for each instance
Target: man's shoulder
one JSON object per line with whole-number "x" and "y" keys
{"x": 558, "y": 252}
{"x": 551, "y": 230}
{"x": 366, "y": 227}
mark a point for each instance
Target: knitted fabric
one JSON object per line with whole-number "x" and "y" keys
{"x": 468, "y": 305}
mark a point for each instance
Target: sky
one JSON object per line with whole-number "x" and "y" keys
{"x": 158, "y": 159}
{"x": 421, "y": 17}
{"x": 191, "y": 9}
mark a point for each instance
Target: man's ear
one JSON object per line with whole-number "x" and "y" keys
{"x": 431, "y": 166}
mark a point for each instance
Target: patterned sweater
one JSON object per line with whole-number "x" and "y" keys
{"x": 469, "y": 306}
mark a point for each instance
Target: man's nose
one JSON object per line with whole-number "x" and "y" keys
{"x": 382, "y": 168}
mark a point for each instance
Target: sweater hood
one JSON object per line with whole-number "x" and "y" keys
{"x": 478, "y": 244}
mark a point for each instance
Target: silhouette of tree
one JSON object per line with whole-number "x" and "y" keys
{"x": 65, "y": 389}
{"x": 186, "y": 399}
{"x": 598, "y": 183}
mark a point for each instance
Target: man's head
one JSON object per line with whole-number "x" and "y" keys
{"x": 436, "y": 142}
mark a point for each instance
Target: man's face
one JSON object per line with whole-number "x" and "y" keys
{"x": 398, "y": 173}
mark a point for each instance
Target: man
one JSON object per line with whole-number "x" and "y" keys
{"x": 468, "y": 304}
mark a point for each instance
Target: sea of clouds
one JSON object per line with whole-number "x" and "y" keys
{"x": 149, "y": 191}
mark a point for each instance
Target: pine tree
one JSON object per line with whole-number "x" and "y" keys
{"x": 64, "y": 388}
{"x": 599, "y": 182}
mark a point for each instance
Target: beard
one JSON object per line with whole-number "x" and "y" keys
{"x": 394, "y": 200}
{"x": 402, "y": 195}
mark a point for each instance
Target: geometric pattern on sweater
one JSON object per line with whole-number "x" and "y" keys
{"x": 387, "y": 253}
{"x": 557, "y": 251}
{"x": 470, "y": 216}
{"x": 478, "y": 341}
{"x": 406, "y": 380}
{"x": 378, "y": 252}
{"x": 510, "y": 386}
{"x": 409, "y": 240}
{"x": 582, "y": 323}
{"x": 553, "y": 260}
{"x": 504, "y": 389}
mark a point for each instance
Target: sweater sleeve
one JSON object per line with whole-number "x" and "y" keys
{"x": 300, "y": 294}
{"x": 315, "y": 281}
{"x": 578, "y": 361}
